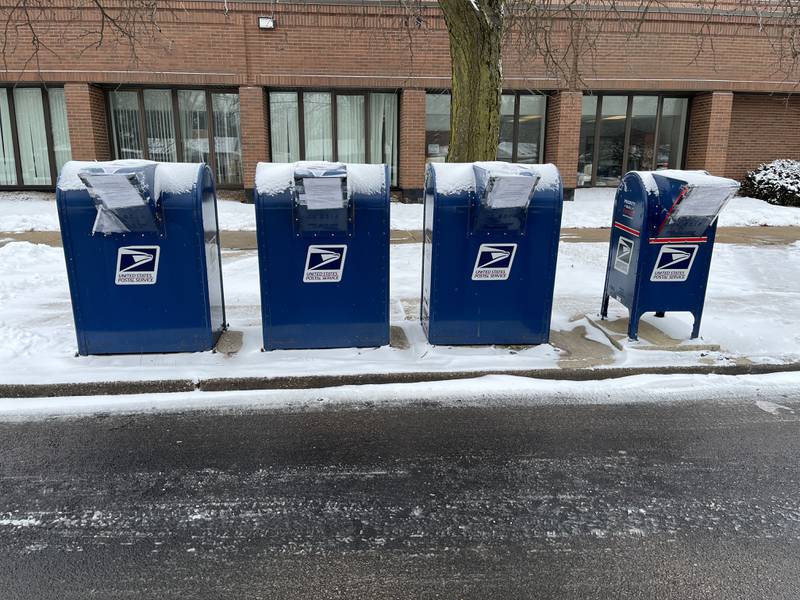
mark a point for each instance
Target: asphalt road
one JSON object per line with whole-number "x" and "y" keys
{"x": 682, "y": 501}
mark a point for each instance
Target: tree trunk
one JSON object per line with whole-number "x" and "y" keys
{"x": 476, "y": 32}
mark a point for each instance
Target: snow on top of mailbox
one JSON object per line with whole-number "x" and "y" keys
{"x": 273, "y": 178}
{"x": 175, "y": 178}
{"x": 453, "y": 178}
{"x": 698, "y": 178}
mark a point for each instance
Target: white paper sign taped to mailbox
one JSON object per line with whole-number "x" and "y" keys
{"x": 323, "y": 192}
{"x": 137, "y": 265}
{"x": 510, "y": 191}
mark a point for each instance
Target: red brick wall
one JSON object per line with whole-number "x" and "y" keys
{"x": 709, "y": 129}
{"x": 763, "y": 128}
{"x": 412, "y": 139}
{"x": 86, "y": 118}
{"x": 253, "y": 118}
{"x": 562, "y": 137}
{"x": 371, "y": 46}
{"x": 360, "y": 45}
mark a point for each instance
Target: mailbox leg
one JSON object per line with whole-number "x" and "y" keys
{"x": 696, "y": 326}
{"x": 633, "y": 325}
{"x": 604, "y": 307}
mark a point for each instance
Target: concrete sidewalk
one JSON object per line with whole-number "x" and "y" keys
{"x": 246, "y": 240}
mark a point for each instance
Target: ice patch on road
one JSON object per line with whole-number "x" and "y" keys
{"x": 772, "y": 408}
{"x": 19, "y": 522}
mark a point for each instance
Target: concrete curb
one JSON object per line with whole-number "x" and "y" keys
{"x": 323, "y": 381}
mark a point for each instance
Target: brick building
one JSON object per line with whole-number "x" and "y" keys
{"x": 364, "y": 82}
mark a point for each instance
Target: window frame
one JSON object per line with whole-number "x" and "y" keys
{"x": 334, "y": 92}
{"x": 628, "y": 122}
{"x": 144, "y": 133}
{"x": 515, "y": 129}
{"x": 48, "y": 125}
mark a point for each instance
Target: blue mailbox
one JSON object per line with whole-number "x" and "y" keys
{"x": 323, "y": 254}
{"x": 141, "y": 244}
{"x": 663, "y": 232}
{"x": 490, "y": 245}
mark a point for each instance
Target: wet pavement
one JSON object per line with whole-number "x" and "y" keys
{"x": 688, "y": 500}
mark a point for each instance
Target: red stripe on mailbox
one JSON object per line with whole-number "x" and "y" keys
{"x": 678, "y": 240}
{"x": 625, "y": 228}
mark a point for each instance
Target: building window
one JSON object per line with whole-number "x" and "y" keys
{"x": 227, "y": 137}
{"x": 629, "y": 133}
{"x": 350, "y": 138}
{"x": 341, "y": 126}
{"x": 62, "y": 149}
{"x": 318, "y": 121}
{"x": 521, "y": 127}
{"x": 8, "y": 167}
{"x": 179, "y": 125}
{"x": 437, "y": 126}
{"x": 160, "y": 125}
{"x": 34, "y": 138}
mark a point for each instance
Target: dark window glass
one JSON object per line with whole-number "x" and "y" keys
{"x": 62, "y": 150}
{"x": 437, "y": 126}
{"x": 505, "y": 148}
{"x": 367, "y": 128}
{"x": 199, "y": 123}
{"x": 671, "y": 133}
{"x": 318, "y": 125}
{"x": 611, "y": 145}
{"x": 8, "y": 164}
{"x": 383, "y": 132}
{"x": 350, "y": 138}
{"x": 194, "y": 125}
{"x": 161, "y": 144}
{"x": 284, "y": 126}
{"x": 586, "y": 149}
{"x": 227, "y": 138}
{"x": 642, "y": 139}
{"x": 521, "y": 129}
{"x": 125, "y": 124}
{"x": 530, "y": 131}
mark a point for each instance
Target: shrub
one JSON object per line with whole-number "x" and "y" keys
{"x": 777, "y": 182}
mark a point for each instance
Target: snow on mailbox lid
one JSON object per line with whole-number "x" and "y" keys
{"x": 697, "y": 204}
{"x": 275, "y": 178}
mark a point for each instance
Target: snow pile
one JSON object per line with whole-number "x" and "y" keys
{"x": 236, "y": 216}
{"x": 742, "y": 211}
{"x": 492, "y": 390}
{"x": 28, "y": 211}
{"x": 175, "y": 178}
{"x": 274, "y": 178}
{"x": 593, "y": 208}
{"x": 752, "y": 310}
{"x": 777, "y": 182}
{"x": 406, "y": 217}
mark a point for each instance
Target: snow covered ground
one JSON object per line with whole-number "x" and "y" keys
{"x": 36, "y": 211}
{"x": 766, "y": 391}
{"x": 752, "y": 310}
